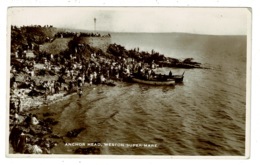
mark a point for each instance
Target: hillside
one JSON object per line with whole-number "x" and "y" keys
{"x": 22, "y": 37}
{"x": 61, "y": 44}
{"x": 55, "y": 47}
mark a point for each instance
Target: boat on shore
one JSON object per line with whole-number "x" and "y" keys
{"x": 154, "y": 82}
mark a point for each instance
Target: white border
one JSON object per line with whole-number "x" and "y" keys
{"x": 247, "y": 143}
{"x": 216, "y": 3}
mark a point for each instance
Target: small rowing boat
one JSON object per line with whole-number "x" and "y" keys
{"x": 154, "y": 82}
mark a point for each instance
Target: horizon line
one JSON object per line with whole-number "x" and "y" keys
{"x": 104, "y": 31}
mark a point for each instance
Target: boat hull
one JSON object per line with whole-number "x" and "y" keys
{"x": 149, "y": 82}
{"x": 177, "y": 78}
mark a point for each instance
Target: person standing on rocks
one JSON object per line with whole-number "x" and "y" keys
{"x": 80, "y": 92}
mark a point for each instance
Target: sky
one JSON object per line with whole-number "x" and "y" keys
{"x": 216, "y": 21}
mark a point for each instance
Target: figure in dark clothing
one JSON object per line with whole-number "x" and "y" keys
{"x": 170, "y": 74}
{"x": 21, "y": 143}
{"x": 57, "y": 87}
{"x": 14, "y": 137}
{"x": 80, "y": 92}
{"x": 27, "y": 120}
{"x": 71, "y": 86}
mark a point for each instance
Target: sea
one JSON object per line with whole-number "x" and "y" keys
{"x": 203, "y": 116}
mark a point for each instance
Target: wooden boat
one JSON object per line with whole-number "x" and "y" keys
{"x": 154, "y": 82}
{"x": 176, "y": 78}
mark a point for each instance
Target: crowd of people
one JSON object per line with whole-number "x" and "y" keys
{"x": 70, "y": 73}
{"x": 65, "y": 75}
{"x": 74, "y": 34}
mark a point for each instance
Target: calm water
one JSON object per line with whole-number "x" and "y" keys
{"x": 203, "y": 116}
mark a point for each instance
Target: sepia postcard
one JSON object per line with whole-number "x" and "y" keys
{"x": 128, "y": 81}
